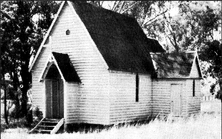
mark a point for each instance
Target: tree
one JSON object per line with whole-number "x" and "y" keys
{"x": 22, "y": 37}
{"x": 212, "y": 53}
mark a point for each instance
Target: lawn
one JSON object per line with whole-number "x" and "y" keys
{"x": 206, "y": 125}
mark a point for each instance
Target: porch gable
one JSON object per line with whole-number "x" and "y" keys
{"x": 64, "y": 66}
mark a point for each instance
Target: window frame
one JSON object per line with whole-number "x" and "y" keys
{"x": 137, "y": 88}
{"x": 194, "y": 87}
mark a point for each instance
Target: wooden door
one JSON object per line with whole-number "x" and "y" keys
{"x": 54, "y": 98}
{"x": 57, "y": 98}
{"x": 176, "y": 99}
{"x": 48, "y": 88}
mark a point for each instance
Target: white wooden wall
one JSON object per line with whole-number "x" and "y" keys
{"x": 92, "y": 70}
{"x": 123, "y": 105}
{"x": 194, "y": 70}
{"x": 71, "y": 107}
{"x": 38, "y": 88}
{"x": 194, "y": 103}
{"x": 162, "y": 96}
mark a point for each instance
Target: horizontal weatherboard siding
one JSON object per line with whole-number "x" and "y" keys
{"x": 161, "y": 95}
{"x": 123, "y": 105}
{"x": 91, "y": 100}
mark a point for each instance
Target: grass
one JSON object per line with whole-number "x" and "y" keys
{"x": 206, "y": 125}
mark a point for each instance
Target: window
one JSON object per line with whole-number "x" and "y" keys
{"x": 67, "y": 32}
{"x": 193, "y": 88}
{"x": 137, "y": 87}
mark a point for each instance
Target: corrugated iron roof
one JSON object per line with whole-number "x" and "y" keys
{"x": 173, "y": 65}
{"x": 119, "y": 38}
{"x": 66, "y": 67}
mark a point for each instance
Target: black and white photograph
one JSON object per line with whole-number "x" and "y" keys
{"x": 110, "y": 69}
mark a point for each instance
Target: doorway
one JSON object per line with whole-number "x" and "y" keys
{"x": 176, "y": 105}
{"x": 54, "y": 94}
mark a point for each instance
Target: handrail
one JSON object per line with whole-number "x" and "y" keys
{"x": 36, "y": 125}
{"x": 56, "y": 128}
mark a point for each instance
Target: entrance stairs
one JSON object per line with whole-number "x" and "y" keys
{"x": 48, "y": 126}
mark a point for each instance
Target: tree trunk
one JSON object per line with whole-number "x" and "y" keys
{"x": 26, "y": 77}
{"x": 5, "y": 101}
{"x": 2, "y": 73}
{"x": 16, "y": 98}
{"x": 219, "y": 94}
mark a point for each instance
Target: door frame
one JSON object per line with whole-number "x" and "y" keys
{"x": 176, "y": 110}
{"x": 49, "y": 113}
{"x": 54, "y": 91}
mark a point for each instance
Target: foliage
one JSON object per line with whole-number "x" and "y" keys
{"x": 212, "y": 53}
{"x": 20, "y": 123}
{"x": 22, "y": 37}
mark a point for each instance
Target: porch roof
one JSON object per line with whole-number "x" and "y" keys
{"x": 66, "y": 67}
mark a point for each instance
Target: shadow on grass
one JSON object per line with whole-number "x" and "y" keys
{"x": 17, "y": 123}
{"x": 92, "y": 128}
{"x": 14, "y": 123}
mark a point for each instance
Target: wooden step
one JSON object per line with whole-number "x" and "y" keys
{"x": 46, "y": 125}
{"x": 49, "y": 121}
{"x": 44, "y": 131}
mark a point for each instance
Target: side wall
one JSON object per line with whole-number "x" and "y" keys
{"x": 194, "y": 102}
{"x": 161, "y": 93}
{"x": 93, "y": 101}
{"x": 162, "y": 96}
{"x": 123, "y": 105}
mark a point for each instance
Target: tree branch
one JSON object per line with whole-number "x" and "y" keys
{"x": 153, "y": 19}
{"x": 131, "y": 6}
{"x": 5, "y": 15}
{"x": 114, "y": 5}
{"x": 174, "y": 41}
{"x": 121, "y": 6}
{"x": 101, "y": 3}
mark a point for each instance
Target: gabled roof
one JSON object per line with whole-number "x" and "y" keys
{"x": 119, "y": 38}
{"x": 155, "y": 46}
{"x": 68, "y": 71}
{"x": 175, "y": 65}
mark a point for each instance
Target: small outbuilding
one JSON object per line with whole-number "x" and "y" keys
{"x": 176, "y": 85}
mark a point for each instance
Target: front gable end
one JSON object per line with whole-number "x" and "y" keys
{"x": 195, "y": 70}
{"x": 45, "y": 39}
{"x": 68, "y": 30}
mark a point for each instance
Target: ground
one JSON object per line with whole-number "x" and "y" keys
{"x": 206, "y": 125}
